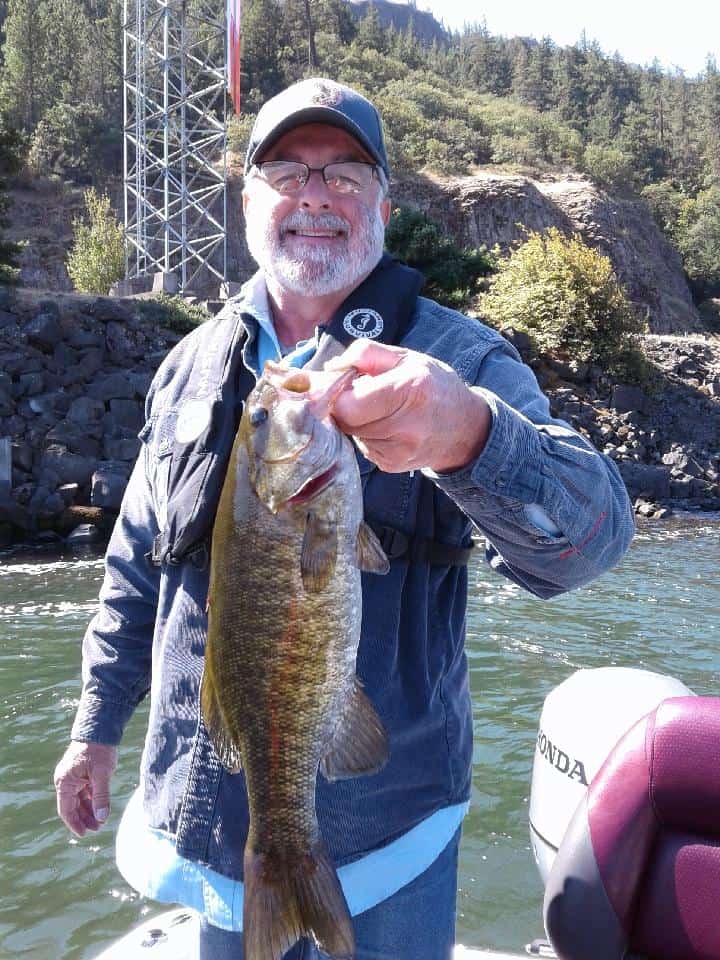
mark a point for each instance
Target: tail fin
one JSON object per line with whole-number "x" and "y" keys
{"x": 285, "y": 901}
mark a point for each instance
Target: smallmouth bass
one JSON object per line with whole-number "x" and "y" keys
{"x": 280, "y": 697}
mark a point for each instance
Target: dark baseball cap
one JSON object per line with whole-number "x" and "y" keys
{"x": 318, "y": 101}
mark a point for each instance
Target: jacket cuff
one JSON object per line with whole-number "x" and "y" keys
{"x": 100, "y": 721}
{"x": 510, "y": 464}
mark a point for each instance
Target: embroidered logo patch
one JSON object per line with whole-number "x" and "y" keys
{"x": 192, "y": 421}
{"x": 364, "y": 323}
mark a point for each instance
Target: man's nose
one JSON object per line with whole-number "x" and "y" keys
{"x": 315, "y": 193}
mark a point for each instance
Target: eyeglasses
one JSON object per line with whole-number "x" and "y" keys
{"x": 290, "y": 176}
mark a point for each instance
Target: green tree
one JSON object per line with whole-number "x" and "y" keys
{"x": 370, "y": 34}
{"x": 97, "y": 258}
{"x": 566, "y": 297}
{"x": 453, "y": 274}
{"x": 710, "y": 119}
{"x": 21, "y": 86}
{"x": 10, "y": 160}
{"x": 698, "y": 239}
{"x": 76, "y": 141}
{"x": 263, "y": 50}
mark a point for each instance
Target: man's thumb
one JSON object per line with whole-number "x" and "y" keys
{"x": 100, "y": 785}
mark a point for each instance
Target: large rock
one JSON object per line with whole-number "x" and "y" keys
{"x": 126, "y": 413}
{"x": 112, "y": 387}
{"x": 84, "y": 533}
{"x": 7, "y": 404}
{"x": 22, "y": 456}
{"x": 108, "y": 486}
{"x": 123, "y": 447}
{"x": 44, "y": 331}
{"x": 30, "y": 384}
{"x": 78, "y": 438}
{"x": 13, "y": 363}
{"x": 43, "y": 404}
{"x": 626, "y": 398}
{"x": 70, "y": 467}
{"x": 86, "y": 410}
{"x": 643, "y": 479}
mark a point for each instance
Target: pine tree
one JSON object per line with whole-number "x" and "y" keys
{"x": 21, "y": 87}
{"x": 264, "y": 43}
{"x": 370, "y": 34}
{"x": 710, "y": 130}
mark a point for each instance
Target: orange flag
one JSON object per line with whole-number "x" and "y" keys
{"x": 234, "y": 44}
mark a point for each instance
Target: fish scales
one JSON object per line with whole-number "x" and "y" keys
{"x": 280, "y": 695}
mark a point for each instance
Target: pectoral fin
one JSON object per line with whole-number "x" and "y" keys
{"x": 318, "y": 553}
{"x": 225, "y": 748}
{"x": 360, "y": 744}
{"x": 370, "y": 554}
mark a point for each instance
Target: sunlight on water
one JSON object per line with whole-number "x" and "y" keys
{"x": 64, "y": 898}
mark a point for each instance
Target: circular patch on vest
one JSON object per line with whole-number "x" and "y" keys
{"x": 364, "y": 323}
{"x": 192, "y": 420}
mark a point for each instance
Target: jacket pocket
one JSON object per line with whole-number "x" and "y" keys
{"x": 158, "y": 438}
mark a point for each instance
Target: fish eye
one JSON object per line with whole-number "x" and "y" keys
{"x": 258, "y": 416}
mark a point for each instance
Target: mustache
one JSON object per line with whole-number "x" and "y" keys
{"x": 324, "y": 221}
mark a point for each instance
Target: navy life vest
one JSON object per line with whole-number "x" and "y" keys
{"x": 218, "y": 384}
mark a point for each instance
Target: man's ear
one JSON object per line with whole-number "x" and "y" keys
{"x": 385, "y": 210}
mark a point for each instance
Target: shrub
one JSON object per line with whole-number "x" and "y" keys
{"x": 566, "y": 297}
{"x": 97, "y": 257}
{"x": 609, "y": 166}
{"x": 238, "y": 132}
{"x": 173, "y": 312}
{"x": 453, "y": 274}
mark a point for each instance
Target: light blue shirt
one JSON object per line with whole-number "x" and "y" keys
{"x": 148, "y": 861}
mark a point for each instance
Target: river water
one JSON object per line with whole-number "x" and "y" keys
{"x": 660, "y": 610}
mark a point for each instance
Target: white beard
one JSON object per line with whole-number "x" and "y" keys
{"x": 317, "y": 271}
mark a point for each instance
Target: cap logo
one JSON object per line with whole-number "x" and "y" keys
{"x": 365, "y": 324}
{"x": 326, "y": 94}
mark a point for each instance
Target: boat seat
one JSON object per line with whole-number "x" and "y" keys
{"x": 638, "y": 870}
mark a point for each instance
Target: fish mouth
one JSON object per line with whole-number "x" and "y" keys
{"x": 314, "y": 486}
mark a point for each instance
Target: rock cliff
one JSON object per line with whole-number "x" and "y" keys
{"x": 498, "y": 208}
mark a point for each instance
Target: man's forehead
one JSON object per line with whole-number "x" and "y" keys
{"x": 317, "y": 136}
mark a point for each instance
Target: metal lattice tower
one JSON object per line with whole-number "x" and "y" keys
{"x": 175, "y": 139}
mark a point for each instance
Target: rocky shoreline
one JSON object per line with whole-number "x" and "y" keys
{"x": 74, "y": 371}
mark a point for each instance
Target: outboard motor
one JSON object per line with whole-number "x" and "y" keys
{"x": 581, "y": 721}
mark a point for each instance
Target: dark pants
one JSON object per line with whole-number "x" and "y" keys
{"x": 416, "y": 923}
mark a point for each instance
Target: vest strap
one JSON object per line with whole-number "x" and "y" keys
{"x": 198, "y": 554}
{"x": 399, "y": 546}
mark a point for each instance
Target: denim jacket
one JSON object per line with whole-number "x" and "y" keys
{"x": 149, "y": 634}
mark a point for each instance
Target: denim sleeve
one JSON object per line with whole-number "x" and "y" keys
{"x": 532, "y": 459}
{"x": 117, "y": 648}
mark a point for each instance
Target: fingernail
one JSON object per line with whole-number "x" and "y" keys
{"x": 101, "y": 813}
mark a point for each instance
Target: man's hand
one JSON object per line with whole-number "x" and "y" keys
{"x": 82, "y": 785}
{"x": 407, "y": 410}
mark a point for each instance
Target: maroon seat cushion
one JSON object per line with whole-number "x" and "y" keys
{"x": 643, "y": 850}
{"x": 678, "y": 911}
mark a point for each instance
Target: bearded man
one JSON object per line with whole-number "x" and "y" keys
{"x": 453, "y": 434}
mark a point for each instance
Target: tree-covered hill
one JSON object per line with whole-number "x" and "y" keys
{"x": 470, "y": 99}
